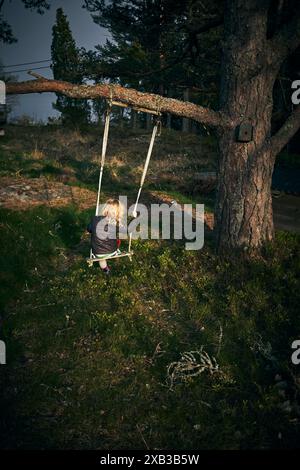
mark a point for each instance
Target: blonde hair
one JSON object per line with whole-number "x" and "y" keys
{"x": 113, "y": 210}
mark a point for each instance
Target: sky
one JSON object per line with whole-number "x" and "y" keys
{"x": 34, "y": 34}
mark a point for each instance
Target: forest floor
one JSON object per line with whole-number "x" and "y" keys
{"x": 176, "y": 350}
{"x": 19, "y": 193}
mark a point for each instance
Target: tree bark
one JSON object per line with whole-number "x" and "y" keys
{"x": 244, "y": 204}
{"x": 127, "y": 96}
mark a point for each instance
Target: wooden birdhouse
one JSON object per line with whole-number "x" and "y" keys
{"x": 244, "y": 132}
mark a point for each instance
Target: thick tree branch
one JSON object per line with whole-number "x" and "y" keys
{"x": 286, "y": 132}
{"x": 285, "y": 41}
{"x": 126, "y": 96}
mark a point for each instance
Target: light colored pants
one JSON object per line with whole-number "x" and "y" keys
{"x": 103, "y": 263}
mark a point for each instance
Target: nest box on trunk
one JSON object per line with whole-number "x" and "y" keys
{"x": 244, "y": 132}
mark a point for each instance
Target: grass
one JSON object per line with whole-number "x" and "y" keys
{"x": 53, "y": 153}
{"x": 88, "y": 355}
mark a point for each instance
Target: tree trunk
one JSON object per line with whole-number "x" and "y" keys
{"x": 244, "y": 202}
{"x": 121, "y": 118}
{"x": 193, "y": 128}
{"x": 169, "y": 116}
{"x": 186, "y": 122}
{"x": 148, "y": 122}
{"x": 169, "y": 121}
{"x": 133, "y": 116}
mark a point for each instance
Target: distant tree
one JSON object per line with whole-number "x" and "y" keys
{"x": 140, "y": 33}
{"x": 6, "y": 32}
{"x": 66, "y": 66}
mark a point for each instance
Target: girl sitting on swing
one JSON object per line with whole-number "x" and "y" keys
{"x": 103, "y": 229}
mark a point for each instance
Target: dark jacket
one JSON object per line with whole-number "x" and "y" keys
{"x": 103, "y": 240}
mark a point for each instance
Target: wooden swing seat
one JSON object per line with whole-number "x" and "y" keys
{"x": 93, "y": 259}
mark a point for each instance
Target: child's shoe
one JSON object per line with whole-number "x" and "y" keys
{"x": 106, "y": 270}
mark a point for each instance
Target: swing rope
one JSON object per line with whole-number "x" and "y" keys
{"x": 156, "y": 131}
{"x": 103, "y": 154}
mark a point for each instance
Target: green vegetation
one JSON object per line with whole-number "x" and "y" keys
{"x": 66, "y": 66}
{"x": 73, "y": 157}
{"x": 88, "y": 355}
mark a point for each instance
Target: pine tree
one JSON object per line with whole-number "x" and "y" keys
{"x": 66, "y": 66}
{"x": 143, "y": 37}
{"x": 155, "y": 46}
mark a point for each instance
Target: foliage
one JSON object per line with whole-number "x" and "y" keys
{"x": 66, "y": 66}
{"x": 90, "y": 356}
{"x": 155, "y": 46}
{"x": 102, "y": 372}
